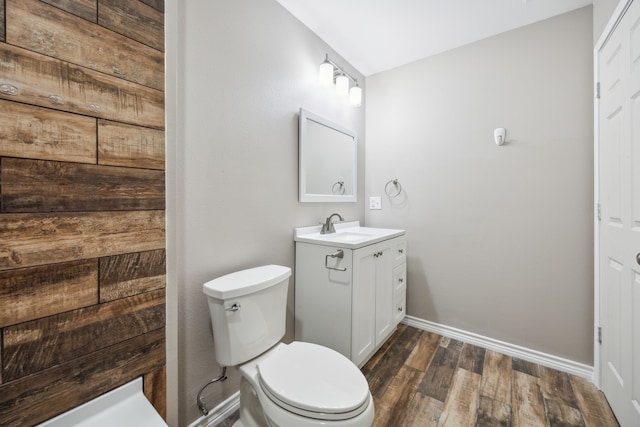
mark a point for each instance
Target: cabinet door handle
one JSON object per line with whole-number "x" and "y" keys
{"x": 401, "y": 251}
{"x": 338, "y": 254}
{"x": 400, "y": 280}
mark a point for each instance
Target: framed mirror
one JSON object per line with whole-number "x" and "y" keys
{"x": 328, "y": 160}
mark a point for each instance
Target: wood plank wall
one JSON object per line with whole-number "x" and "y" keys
{"x": 82, "y": 201}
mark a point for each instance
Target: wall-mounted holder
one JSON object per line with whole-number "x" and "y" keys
{"x": 393, "y": 188}
{"x": 338, "y": 188}
{"x": 339, "y": 254}
{"x": 499, "y": 135}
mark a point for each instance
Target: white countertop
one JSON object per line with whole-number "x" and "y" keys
{"x": 348, "y": 235}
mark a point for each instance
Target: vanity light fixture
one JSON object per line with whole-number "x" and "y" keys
{"x": 342, "y": 85}
{"x": 330, "y": 72}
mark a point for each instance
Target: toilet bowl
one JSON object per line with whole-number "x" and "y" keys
{"x": 289, "y": 385}
{"x": 304, "y": 384}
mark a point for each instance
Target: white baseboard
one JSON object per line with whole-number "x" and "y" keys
{"x": 219, "y": 413}
{"x": 548, "y": 360}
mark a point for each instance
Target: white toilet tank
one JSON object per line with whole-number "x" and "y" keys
{"x": 248, "y": 312}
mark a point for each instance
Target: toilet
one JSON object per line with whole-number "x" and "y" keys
{"x": 288, "y": 385}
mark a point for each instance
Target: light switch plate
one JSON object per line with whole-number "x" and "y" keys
{"x": 375, "y": 202}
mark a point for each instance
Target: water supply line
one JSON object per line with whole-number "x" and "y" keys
{"x": 201, "y": 405}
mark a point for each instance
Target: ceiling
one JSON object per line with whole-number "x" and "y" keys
{"x": 377, "y": 35}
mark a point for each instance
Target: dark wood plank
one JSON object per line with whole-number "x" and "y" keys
{"x": 451, "y": 343}
{"x": 492, "y": 413}
{"x": 561, "y": 415}
{"x": 592, "y": 403}
{"x": 422, "y": 411}
{"x": 31, "y": 293}
{"x": 155, "y": 389}
{"x": 40, "y": 344}
{"x": 472, "y": 358}
{"x": 438, "y": 377}
{"x": 131, "y": 146}
{"x": 524, "y": 367}
{"x": 462, "y": 401}
{"x": 375, "y": 359}
{"x": 556, "y": 385}
{"x": 86, "y": 9}
{"x": 40, "y": 133}
{"x": 45, "y": 186}
{"x": 157, "y": 4}
{"x": 392, "y": 361}
{"x": 130, "y": 274}
{"x": 527, "y": 404}
{"x": 423, "y": 352}
{"x": 35, "y": 239}
{"x": 496, "y": 378}
{"x": 41, "y": 28}
{"x": 30, "y": 400}
{"x": 37, "y": 79}
{"x": 382, "y": 413}
{"x": 2, "y": 21}
{"x": 133, "y": 19}
{"x": 401, "y": 391}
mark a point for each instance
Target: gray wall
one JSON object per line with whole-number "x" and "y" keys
{"x": 602, "y": 10}
{"x": 244, "y": 68}
{"x": 500, "y": 239}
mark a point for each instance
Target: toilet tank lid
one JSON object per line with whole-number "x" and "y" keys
{"x": 245, "y": 282}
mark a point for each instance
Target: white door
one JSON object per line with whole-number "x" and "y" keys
{"x": 619, "y": 187}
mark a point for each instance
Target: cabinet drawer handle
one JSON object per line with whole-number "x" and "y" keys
{"x": 399, "y": 308}
{"x": 338, "y": 254}
{"x": 401, "y": 251}
{"x": 400, "y": 280}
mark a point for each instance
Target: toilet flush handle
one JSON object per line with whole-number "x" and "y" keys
{"x": 234, "y": 307}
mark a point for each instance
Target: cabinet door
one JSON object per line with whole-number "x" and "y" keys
{"x": 323, "y": 297}
{"x": 363, "y": 304}
{"x": 384, "y": 293}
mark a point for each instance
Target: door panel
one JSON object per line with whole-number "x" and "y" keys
{"x": 619, "y": 186}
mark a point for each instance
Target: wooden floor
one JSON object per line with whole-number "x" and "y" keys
{"x": 422, "y": 379}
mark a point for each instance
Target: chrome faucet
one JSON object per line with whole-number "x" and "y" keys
{"x": 327, "y": 227}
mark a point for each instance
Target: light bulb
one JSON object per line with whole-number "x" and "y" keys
{"x": 342, "y": 85}
{"x": 325, "y": 74}
{"x": 355, "y": 96}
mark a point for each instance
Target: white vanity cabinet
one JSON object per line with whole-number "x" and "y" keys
{"x": 352, "y": 303}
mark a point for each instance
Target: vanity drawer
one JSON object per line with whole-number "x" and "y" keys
{"x": 399, "y": 279}
{"x": 399, "y": 307}
{"x": 400, "y": 252}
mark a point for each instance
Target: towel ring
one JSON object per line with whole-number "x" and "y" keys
{"x": 390, "y": 191}
{"x": 340, "y": 185}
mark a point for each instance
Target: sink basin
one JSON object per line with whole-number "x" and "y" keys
{"x": 348, "y": 235}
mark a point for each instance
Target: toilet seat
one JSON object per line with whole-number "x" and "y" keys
{"x": 314, "y": 381}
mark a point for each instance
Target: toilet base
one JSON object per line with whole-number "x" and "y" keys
{"x": 251, "y": 414}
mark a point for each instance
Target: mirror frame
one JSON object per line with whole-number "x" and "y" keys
{"x": 305, "y": 117}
